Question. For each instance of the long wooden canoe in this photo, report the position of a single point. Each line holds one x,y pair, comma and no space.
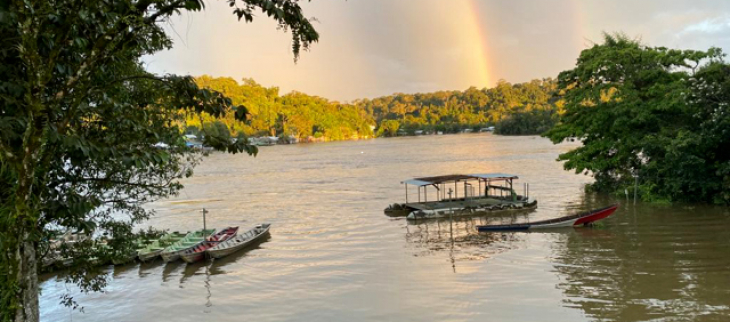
197,252
172,252
583,219
152,250
239,242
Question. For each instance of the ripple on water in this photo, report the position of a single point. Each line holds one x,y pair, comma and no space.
333,255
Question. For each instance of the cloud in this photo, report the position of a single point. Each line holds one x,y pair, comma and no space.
370,48
709,26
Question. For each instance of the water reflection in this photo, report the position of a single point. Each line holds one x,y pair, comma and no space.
169,268
208,303
120,270
461,238
148,268
236,258
653,261
335,257
192,269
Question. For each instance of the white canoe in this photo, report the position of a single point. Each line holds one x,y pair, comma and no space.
239,242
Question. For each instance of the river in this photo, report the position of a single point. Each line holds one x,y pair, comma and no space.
334,256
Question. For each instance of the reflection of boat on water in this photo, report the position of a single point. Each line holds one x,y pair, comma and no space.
218,265
656,263
118,270
460,237
169,269
480,194
191,269
581,219
145,268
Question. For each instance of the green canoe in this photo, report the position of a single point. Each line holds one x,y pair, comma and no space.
172,252
153,249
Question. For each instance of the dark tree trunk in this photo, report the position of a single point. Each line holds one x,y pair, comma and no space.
27,275
25,226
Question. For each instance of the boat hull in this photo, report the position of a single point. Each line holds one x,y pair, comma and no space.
192,258
456,212
155,248
219,252
583,219
228,251
397,212
148,256
172,252
224,252
197,252
175,255
123,260
171,256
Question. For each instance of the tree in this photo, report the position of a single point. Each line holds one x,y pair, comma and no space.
527,122
647,112
389,128
78,120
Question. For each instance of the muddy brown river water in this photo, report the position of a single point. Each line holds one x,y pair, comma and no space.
334,256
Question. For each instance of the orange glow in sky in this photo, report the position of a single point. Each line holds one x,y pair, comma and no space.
371,48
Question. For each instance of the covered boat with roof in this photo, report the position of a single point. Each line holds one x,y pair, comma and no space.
462,194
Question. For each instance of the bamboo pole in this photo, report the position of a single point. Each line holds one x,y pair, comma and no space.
204,225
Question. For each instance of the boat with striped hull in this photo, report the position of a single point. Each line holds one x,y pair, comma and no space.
582,219
172,252
197,252
239,242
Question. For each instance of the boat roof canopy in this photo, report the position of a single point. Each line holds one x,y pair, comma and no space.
425,181
502,176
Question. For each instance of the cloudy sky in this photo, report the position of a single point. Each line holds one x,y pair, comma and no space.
371,48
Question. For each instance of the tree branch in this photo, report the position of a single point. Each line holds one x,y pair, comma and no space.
164,11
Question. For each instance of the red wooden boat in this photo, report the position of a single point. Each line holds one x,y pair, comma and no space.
197,252
582,219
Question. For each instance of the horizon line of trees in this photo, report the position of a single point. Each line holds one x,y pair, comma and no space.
523,108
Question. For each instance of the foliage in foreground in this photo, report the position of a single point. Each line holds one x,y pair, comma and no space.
79,116
656,113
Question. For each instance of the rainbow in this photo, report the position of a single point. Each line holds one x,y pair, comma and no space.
477,34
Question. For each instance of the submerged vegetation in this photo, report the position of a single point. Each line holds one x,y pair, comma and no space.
649,112
526,108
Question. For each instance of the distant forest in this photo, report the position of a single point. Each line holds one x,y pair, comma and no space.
516,109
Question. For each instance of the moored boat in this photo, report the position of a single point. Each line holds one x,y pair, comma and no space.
462,195
53,252
152,250
239,242
172,252
581,219
197,252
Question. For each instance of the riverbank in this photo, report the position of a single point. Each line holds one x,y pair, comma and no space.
268,141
